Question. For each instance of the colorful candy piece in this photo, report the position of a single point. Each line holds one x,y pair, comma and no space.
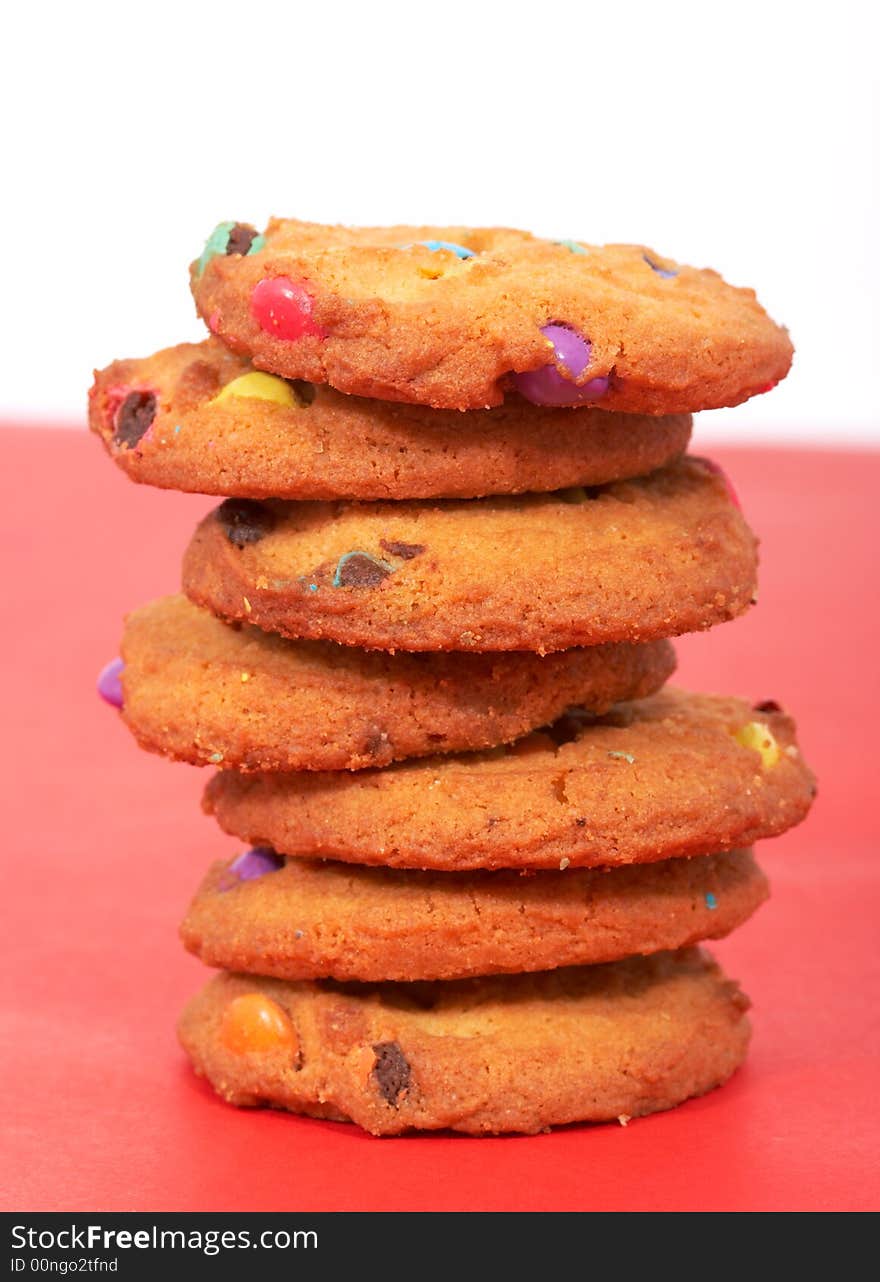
666,272
572,246
554,384
460,251
229,238
360,570
255,862
711,901
110,683
758,736
260,387
715,468
253,1024
133,417
283,307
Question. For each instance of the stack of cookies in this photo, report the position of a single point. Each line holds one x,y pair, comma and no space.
424,639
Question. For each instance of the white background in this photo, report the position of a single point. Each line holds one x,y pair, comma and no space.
738,136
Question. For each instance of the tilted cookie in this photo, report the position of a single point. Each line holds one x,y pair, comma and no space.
458,317
198,418
311,919
633,561
199,690
483,1056
675,774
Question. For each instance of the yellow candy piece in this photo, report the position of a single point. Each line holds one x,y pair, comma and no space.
254,1024
758,736
259,387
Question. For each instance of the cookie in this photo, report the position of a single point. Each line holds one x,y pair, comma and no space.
632,561
460,317
308,919
675,774
198,690
483,1056
198,418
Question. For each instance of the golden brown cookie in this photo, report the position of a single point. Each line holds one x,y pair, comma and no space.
196,417
675,774
483,1056
633,561
310,919
457,317
205,692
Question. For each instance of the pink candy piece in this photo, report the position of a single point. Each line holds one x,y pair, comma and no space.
554,384
711,466
282,307
110,683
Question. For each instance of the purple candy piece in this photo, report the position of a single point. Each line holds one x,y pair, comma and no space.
554,384
255,863
110,683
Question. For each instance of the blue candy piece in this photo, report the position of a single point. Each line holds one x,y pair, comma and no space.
711,901
572,245
459,250
661,271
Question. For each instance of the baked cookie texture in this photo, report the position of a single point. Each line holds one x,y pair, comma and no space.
672,775
199,690
633,561
379,312
303,919
194,417
482,1056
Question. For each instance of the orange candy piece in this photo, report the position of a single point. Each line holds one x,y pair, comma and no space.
254,1024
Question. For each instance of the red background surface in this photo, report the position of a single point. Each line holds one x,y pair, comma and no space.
104,845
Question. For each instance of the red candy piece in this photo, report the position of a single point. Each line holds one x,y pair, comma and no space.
284,308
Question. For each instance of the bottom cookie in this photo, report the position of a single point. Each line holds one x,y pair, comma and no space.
481,1056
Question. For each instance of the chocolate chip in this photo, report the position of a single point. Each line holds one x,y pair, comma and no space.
391,1070
133,418
240,239
244,521
767,705
359,570
406,551
303,391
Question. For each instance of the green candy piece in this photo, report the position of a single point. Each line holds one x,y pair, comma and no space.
214,245
218,243
572,245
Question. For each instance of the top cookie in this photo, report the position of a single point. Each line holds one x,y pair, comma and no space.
457,317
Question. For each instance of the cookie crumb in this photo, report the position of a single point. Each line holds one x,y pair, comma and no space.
624,1119
563,864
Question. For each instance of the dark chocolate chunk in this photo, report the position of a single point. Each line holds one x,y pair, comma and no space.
360,570
391,1070
406,551
767,705
244,521
240,239
133,418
